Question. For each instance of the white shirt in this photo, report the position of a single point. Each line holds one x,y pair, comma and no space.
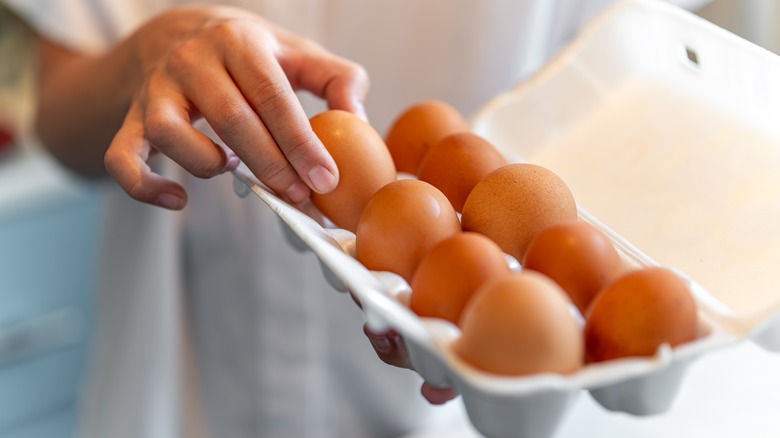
279,353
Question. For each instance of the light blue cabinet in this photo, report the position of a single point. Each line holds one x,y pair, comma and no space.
48,261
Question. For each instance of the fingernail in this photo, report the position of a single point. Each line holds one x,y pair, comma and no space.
297,192
170,201
322,180
232,163
381,344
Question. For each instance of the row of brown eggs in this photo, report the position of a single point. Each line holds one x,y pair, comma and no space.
512,323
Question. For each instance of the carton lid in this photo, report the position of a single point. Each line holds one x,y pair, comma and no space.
662,125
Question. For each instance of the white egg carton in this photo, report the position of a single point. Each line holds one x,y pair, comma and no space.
663,125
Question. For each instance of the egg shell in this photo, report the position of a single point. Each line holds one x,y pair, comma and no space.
577,256
400,224
520,324
457,162
451,272
418,128
514,202
639,312
364,164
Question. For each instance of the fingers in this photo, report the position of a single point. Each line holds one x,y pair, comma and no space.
223,105
126,158
389,347
344,86
168,127
241,78
265,87
437,396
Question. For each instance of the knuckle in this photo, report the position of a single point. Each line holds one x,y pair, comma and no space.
355,72
349,76
159,127
184,57
271,96
231,112
230,117
299,146
162,131
306,44
228,30
276,173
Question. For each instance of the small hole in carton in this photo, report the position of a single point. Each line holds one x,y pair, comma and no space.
690,57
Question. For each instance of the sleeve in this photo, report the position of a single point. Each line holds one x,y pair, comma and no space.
84,25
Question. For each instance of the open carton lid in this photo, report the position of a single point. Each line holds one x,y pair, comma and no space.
664,127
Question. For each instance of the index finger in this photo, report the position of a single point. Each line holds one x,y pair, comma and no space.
268,91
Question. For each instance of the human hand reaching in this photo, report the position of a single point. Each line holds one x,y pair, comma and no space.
239,72
390,348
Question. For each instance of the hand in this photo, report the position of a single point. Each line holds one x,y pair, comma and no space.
390,348
239,72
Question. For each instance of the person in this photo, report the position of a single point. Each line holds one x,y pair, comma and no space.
210,324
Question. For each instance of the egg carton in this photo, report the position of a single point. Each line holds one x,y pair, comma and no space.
661,124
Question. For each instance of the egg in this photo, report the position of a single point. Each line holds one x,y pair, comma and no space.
639,312
400,224
514,202
457,162
520,324
419,127
578,256
450,273
364,164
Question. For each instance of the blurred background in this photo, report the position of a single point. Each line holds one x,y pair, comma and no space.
50,231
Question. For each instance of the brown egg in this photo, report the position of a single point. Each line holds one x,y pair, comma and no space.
450,273
401,223
578,256
418,128
520,324
457,163
637,313
513,203
364,165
